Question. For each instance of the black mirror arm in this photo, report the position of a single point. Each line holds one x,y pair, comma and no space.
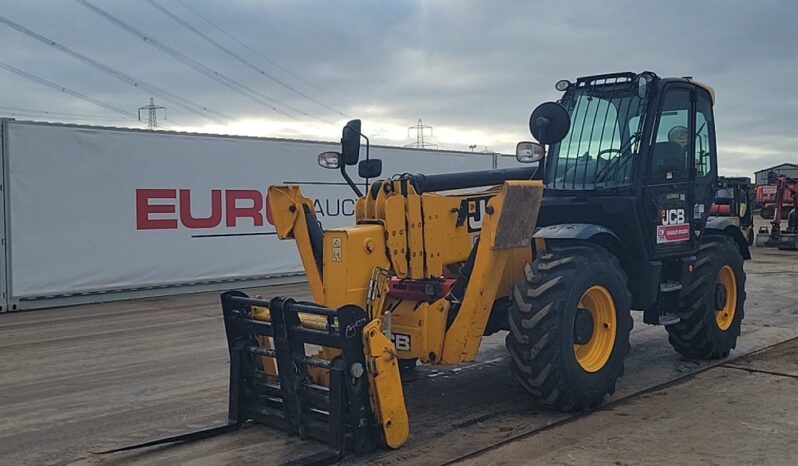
367,156
541,171
350,182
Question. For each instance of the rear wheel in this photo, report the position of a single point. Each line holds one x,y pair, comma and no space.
569,326
712,306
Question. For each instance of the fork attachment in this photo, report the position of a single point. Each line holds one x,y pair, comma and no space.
339,413
337,410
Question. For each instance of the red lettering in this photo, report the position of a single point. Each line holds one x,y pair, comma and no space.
234,212
189,221
144,209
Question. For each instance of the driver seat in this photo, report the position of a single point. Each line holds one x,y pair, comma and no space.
668,157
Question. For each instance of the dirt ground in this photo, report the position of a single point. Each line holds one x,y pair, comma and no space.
86,378
741,412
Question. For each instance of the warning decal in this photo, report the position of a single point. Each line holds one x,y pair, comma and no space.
336,249
673,233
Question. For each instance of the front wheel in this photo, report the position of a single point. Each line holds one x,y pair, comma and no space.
712,306
569,326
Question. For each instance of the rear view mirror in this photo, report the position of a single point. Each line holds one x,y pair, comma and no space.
330,160
369,168
350,143
549,123
529,152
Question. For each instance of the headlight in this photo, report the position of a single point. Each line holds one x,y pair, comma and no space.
330,160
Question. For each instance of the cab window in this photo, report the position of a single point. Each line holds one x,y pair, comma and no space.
670,156
703,144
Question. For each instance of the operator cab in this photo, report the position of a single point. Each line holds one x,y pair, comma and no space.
638,158
635,170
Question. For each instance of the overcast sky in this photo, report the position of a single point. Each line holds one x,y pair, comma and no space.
472,70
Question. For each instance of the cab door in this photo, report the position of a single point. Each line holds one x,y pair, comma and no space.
668,193
705,173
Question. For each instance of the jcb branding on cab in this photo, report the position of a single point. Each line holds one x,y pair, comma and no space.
672,216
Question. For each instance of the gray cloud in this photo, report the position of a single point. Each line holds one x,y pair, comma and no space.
478,67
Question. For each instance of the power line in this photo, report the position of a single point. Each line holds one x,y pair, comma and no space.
222,79
238,57
77,94
212,74
264,57
177,100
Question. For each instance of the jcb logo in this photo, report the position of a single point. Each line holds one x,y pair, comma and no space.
673,216
475,208
401,341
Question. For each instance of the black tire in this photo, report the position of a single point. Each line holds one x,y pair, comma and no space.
767,212
542,317
699,335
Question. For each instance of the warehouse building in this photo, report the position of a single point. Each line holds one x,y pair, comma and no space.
789,169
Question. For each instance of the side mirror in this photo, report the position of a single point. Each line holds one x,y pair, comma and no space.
330,160
350,142
369,168
529,152
549,123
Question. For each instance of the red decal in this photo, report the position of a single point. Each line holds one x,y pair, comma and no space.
673,233
144,209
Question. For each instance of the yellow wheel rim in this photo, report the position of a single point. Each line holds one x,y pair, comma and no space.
594,354
724,315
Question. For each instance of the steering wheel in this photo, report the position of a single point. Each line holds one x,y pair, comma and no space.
608,151
607,160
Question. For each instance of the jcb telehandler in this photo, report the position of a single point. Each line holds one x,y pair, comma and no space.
614,216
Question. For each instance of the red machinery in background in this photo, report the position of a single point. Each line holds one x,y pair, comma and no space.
766,197
786,189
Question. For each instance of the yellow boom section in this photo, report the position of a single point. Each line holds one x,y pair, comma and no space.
398,262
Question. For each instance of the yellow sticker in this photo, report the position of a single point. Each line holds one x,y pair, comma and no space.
336,250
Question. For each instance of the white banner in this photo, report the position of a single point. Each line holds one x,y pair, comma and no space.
95,209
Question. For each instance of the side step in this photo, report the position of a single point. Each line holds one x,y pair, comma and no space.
669,287
668,318
339,414
665,317
660,312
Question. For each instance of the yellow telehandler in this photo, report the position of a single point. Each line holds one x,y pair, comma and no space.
612,215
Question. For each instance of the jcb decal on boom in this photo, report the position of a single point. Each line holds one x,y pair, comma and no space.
474,208
401,341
